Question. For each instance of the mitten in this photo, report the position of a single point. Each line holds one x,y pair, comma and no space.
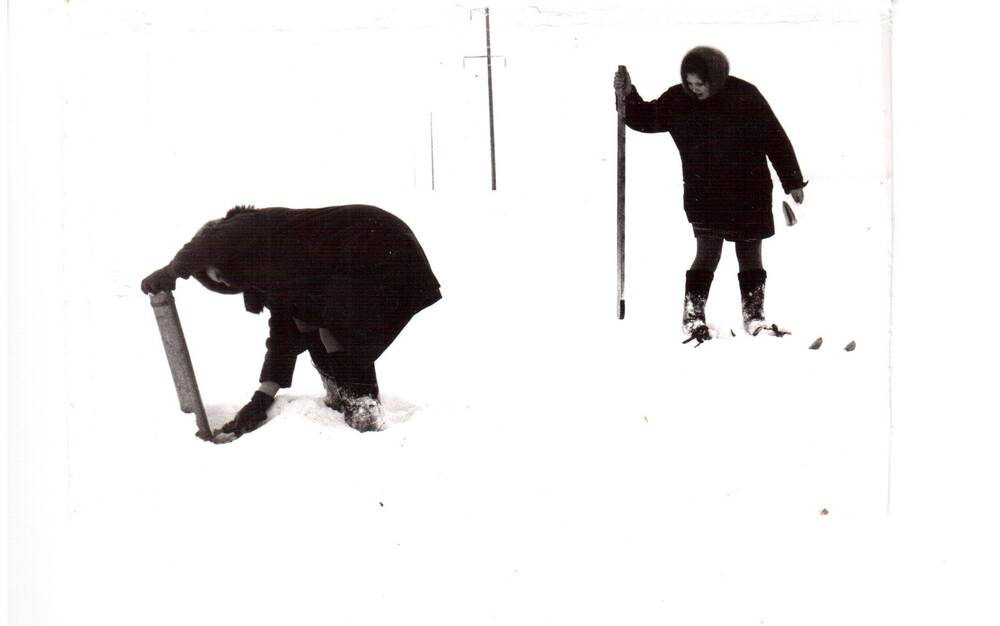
250,417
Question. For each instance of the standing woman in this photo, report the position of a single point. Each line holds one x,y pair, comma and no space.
724,131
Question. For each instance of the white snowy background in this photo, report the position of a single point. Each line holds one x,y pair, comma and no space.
545,463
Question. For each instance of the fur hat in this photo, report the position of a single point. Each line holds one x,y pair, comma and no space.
709,64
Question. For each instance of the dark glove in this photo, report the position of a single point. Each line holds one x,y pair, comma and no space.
250,417
163,279
622,82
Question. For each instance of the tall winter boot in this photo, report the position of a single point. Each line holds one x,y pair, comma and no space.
697,284
334,398
351,388
752,292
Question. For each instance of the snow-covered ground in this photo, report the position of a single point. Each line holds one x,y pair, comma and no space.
545,462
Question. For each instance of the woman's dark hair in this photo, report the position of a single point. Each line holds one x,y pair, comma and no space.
709,64
694,64
240,208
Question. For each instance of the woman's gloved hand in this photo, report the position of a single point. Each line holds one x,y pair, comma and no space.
251,417
163,279
622,82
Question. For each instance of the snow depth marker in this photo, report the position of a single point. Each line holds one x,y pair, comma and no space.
620,100
179,360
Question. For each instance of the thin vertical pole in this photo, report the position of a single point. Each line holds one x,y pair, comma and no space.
620,101
489,86
432,151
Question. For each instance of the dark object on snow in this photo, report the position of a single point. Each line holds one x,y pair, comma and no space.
850,346
771,329
816,344
724,143
179,359
251,417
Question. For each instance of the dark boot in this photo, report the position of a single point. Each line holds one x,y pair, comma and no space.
696,287
752,292
363,413
351,388
334,398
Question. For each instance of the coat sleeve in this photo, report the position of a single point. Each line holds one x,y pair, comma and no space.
284,344
777,146
647,117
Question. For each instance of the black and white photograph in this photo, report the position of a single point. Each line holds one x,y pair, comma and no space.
606,312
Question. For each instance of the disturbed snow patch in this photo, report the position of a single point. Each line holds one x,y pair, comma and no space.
312,409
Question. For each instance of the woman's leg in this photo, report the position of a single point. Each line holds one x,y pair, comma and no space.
707,255
748,254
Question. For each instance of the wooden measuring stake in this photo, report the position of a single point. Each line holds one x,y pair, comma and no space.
620,98
179,360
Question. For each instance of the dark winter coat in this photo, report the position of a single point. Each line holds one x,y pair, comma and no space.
724,142
355,270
